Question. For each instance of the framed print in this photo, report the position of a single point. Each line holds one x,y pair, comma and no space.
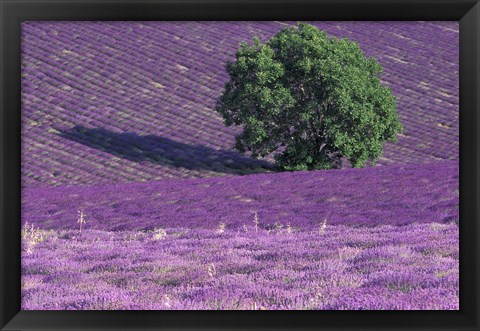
240,165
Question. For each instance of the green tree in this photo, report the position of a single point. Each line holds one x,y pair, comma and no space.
311,99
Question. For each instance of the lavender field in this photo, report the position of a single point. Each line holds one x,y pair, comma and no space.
133,196
341,267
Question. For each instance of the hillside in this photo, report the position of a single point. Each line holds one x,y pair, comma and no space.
110,102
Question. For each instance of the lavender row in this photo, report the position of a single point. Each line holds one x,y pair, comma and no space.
395,195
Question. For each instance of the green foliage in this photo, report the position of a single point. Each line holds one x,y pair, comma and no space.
312,99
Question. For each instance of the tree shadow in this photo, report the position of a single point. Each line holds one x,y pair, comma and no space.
165,151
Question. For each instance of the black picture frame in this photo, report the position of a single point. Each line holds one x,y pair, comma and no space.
13,12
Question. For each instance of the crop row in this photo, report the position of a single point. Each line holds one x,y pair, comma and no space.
395,195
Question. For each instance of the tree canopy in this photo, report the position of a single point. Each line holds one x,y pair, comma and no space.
311,99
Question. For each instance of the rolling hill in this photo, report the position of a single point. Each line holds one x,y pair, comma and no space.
108,102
